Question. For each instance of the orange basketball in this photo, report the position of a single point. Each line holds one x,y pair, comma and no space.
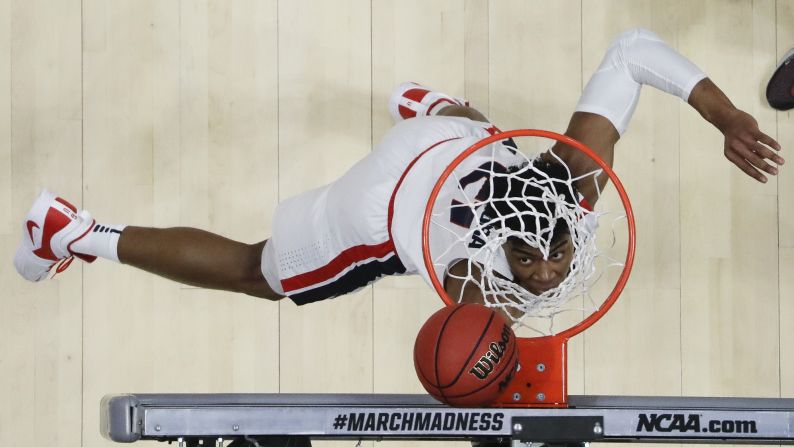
465,355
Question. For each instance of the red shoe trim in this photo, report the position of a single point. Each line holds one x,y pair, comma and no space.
87,258
31,225
63,265
416,94
54,222
439,101
67,204
405,112
84,257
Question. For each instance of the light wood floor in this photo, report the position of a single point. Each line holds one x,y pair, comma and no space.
207,113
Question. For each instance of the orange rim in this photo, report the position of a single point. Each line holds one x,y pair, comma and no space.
624,276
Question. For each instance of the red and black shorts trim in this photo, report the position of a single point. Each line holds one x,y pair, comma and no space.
356,278
351,270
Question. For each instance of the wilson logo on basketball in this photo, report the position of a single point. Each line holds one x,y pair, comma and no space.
496,350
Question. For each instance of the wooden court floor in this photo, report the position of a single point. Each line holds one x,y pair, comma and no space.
207,113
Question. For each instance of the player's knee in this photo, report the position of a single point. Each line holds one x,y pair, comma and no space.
253,261
252,280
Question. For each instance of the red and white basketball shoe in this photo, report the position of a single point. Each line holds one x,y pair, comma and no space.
51,227
410,99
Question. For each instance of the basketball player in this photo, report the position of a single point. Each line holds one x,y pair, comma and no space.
340,237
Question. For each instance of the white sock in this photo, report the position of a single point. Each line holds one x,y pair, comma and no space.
102,241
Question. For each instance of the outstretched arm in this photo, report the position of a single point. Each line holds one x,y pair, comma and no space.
639,57
745,145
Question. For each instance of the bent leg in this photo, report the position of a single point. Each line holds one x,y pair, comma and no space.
463,111
197,258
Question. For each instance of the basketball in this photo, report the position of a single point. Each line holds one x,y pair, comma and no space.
465,355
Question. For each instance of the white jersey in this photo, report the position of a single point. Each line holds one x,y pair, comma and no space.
367,224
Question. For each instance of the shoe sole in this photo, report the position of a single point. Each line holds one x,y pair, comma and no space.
24,257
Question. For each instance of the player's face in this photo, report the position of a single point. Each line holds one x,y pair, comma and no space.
533,272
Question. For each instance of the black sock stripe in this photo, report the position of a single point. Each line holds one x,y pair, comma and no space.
103,229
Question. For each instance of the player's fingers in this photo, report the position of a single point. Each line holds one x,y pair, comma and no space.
746,167
769,141
757,161
765,153
753,152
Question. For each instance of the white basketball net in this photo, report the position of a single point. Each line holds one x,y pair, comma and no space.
485,260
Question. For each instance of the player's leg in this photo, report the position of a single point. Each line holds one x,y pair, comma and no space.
56,231
196,257
463,111
410,100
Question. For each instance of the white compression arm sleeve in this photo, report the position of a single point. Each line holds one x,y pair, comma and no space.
636,57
